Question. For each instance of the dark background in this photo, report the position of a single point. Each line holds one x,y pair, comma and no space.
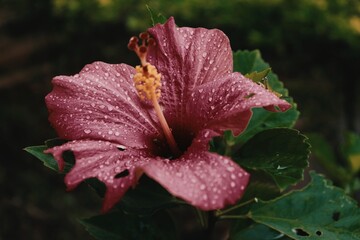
314,47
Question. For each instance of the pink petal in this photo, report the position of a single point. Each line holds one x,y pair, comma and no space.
204,179
186,58
104,161
101,103
225,103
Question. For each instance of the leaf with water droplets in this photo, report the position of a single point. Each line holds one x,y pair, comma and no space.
248,62
320,211
281,153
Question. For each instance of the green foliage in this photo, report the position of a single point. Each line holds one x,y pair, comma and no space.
256,76
351,151
258,232
320,211
325,155
120,226
346,174
281,153
147,198
249,63
156,18
46,158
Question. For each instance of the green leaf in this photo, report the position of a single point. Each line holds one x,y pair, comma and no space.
258,76
120,226
147,198
351,150
321,148
320,211
224,144
281,153
46,158
261,186
258,232
325,155
156,18
248,62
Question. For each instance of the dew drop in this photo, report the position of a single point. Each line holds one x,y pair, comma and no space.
230,169
232,184
202,187
206,134
87,131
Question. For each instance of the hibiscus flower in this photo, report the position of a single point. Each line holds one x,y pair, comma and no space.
158,119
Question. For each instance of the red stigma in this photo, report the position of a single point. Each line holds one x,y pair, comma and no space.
141,49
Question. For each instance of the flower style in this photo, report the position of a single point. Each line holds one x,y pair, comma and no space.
116,135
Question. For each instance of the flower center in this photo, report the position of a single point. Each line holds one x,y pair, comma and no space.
147,82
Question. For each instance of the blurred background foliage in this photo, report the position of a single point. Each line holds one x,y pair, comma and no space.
313,45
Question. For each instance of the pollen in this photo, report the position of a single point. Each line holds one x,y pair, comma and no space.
147,82
147,79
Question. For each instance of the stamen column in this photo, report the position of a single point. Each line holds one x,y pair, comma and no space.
148,84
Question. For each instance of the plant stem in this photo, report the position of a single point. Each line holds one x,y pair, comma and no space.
220,213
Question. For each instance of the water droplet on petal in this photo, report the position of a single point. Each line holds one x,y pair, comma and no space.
230,169
87,131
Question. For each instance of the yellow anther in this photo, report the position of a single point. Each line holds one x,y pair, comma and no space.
147,82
